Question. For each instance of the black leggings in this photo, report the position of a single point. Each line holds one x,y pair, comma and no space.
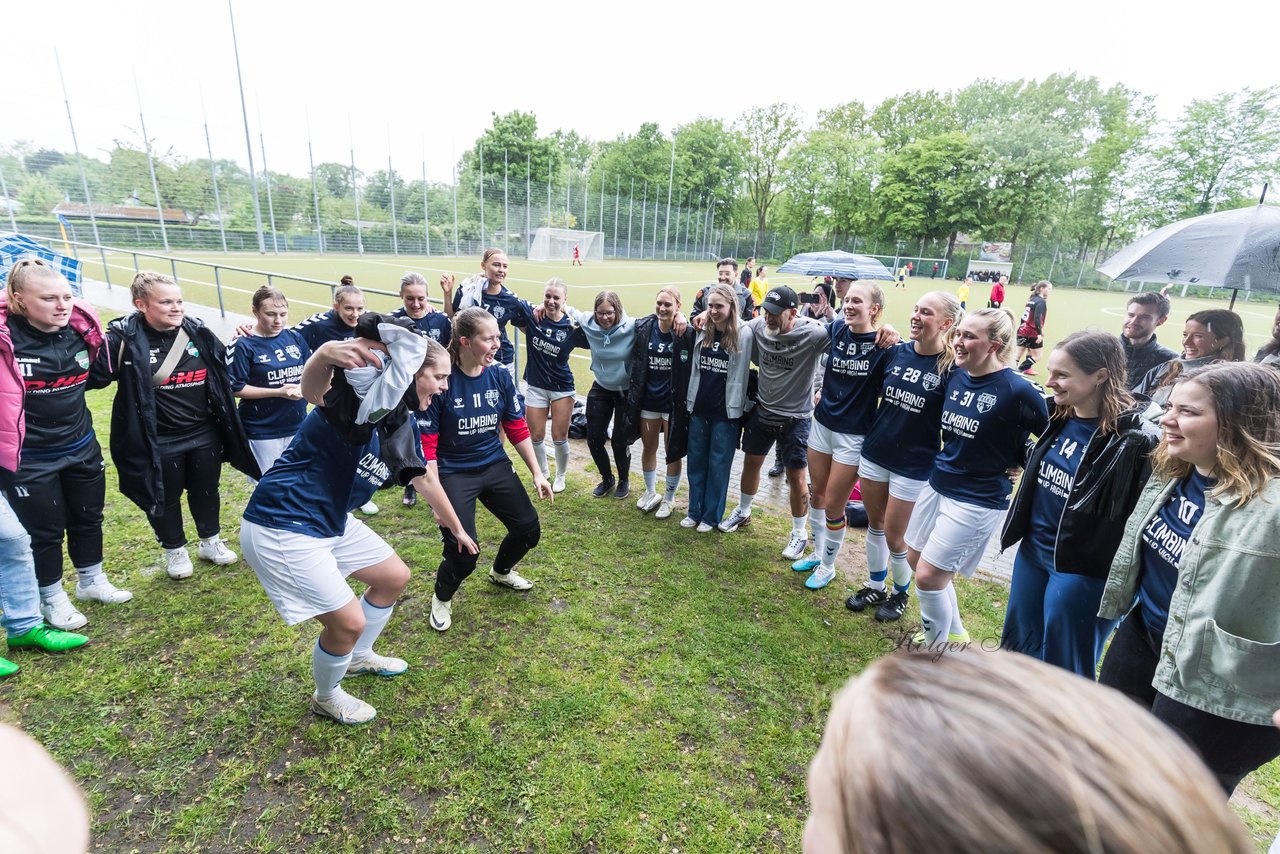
195,466
57,496
602,405
499,489
1231,749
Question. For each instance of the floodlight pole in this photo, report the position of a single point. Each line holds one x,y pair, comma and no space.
631,204
151,165
84,183
213,173
644,217
528,201
617,186
8,202
671,177
391,185
355,191
482,240
315,189
455,205
426,208
248,139
506,208
266,176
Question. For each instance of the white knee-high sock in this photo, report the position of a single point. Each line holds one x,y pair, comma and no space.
744,501
673,482
957,627
650,480
375,620
935,614
562,456
901,570
818,527
327,670
877,557
833,539
540,454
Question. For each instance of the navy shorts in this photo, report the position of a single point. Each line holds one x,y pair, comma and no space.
1036,343
791,434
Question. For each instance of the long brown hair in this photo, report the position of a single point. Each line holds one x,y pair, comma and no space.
1078,768
1221,323
1246,400
1092,351
728,334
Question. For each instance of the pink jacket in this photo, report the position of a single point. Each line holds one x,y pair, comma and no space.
13,425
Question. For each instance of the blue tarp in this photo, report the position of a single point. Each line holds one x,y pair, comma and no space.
15,246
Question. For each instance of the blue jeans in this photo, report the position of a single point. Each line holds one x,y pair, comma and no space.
19,595
1053,616
711,446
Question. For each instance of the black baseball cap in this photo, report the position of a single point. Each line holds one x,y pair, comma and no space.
779,299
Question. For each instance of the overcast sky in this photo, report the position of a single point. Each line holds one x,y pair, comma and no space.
419,80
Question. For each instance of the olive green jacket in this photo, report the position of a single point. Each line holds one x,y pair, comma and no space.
1221,648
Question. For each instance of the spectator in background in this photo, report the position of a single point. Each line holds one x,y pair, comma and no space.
759,287
1076,769
1269,353
962,292
1213,335
747,271
1144,312
902,277
997,293
934,274
726,272
822,309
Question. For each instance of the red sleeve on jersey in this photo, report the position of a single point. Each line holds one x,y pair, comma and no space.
517,430
429,442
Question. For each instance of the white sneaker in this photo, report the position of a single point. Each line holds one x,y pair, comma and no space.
648,501
61,614
705,527
735,520
369,509
378,665
216,551
101,590
343,708
664,510
178,563
441,614
688,522
512,579
558,484
795,545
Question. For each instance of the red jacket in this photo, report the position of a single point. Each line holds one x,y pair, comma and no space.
13,423
997,292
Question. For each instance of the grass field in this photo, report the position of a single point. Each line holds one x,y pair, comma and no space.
657,690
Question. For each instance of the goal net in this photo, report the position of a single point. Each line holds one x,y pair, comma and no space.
556,244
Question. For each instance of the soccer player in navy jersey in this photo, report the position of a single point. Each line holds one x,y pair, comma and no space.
460,431
899,450
987,417
429,323
299,536
336,324
266,371
550,337
487,291
850,385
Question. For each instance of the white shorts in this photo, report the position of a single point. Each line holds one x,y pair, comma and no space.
307,576
267,451
841,447
650,415
900,487
950,534
543,398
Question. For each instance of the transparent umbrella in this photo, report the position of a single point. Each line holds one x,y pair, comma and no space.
837,264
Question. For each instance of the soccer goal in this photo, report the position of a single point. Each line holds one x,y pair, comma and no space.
556,244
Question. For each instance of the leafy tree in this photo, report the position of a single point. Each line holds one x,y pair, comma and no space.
931,188
334,180
905,118
39,195
644,156
377,192
575,151
708,162
40,162
769,132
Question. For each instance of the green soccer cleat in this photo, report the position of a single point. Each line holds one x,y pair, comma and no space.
7,668
47,639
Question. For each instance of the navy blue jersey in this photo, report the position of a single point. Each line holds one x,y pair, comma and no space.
269,363
502,306
322,327
1163,541
907,430
657,384
713,379
1053,481
466,419
548,345
851,382
317,481
434,325
985,425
